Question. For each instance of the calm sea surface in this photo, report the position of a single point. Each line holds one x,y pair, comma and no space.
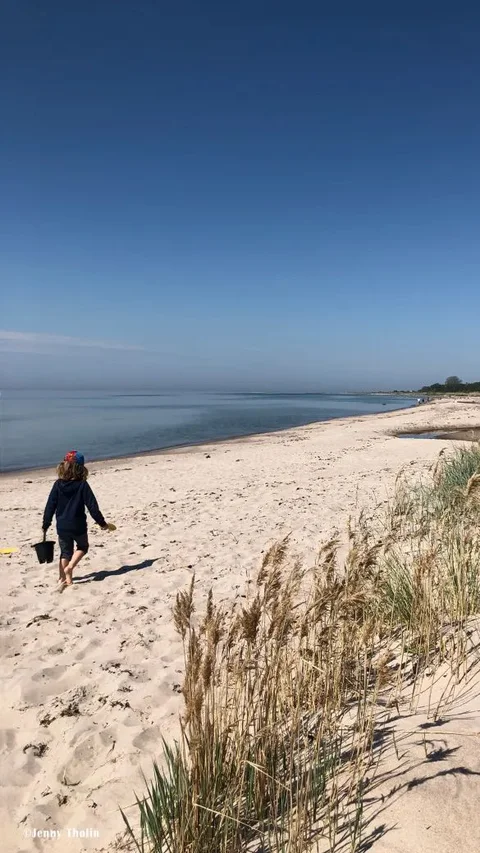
37,428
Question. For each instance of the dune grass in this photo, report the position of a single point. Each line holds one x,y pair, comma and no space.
455,480
282,697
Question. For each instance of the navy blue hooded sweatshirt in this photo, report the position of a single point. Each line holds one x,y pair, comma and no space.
68,500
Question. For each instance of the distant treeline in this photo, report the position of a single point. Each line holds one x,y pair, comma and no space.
452,385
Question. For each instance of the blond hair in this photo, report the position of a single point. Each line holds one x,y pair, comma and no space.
71,471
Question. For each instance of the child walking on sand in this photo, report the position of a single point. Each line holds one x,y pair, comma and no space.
67,500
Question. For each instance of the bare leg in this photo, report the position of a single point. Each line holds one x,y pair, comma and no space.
72,565
61,569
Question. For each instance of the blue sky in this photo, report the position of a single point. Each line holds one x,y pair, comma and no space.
264,196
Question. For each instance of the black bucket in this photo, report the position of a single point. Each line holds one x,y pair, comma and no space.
44,551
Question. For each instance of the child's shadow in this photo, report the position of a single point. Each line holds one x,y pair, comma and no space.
123,570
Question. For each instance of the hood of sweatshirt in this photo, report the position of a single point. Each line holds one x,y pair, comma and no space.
68,488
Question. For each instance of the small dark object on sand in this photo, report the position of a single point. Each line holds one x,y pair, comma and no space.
38,749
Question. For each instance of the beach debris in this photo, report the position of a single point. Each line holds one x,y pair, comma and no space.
38,749
117,703
67,705
114,668
68,784
39,618
71,710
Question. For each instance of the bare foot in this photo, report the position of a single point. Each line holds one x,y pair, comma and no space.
68,576
61,585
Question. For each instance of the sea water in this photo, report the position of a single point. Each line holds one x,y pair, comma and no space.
38,427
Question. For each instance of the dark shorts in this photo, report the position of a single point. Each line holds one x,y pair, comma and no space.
67,543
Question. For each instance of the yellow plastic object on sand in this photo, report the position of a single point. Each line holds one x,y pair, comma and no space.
8,550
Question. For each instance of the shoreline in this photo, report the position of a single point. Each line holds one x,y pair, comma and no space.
179,448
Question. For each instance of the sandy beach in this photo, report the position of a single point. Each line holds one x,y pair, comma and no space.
91,678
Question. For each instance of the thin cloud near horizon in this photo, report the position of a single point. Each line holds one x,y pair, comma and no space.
39,342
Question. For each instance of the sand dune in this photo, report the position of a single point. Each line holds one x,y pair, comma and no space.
91,677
